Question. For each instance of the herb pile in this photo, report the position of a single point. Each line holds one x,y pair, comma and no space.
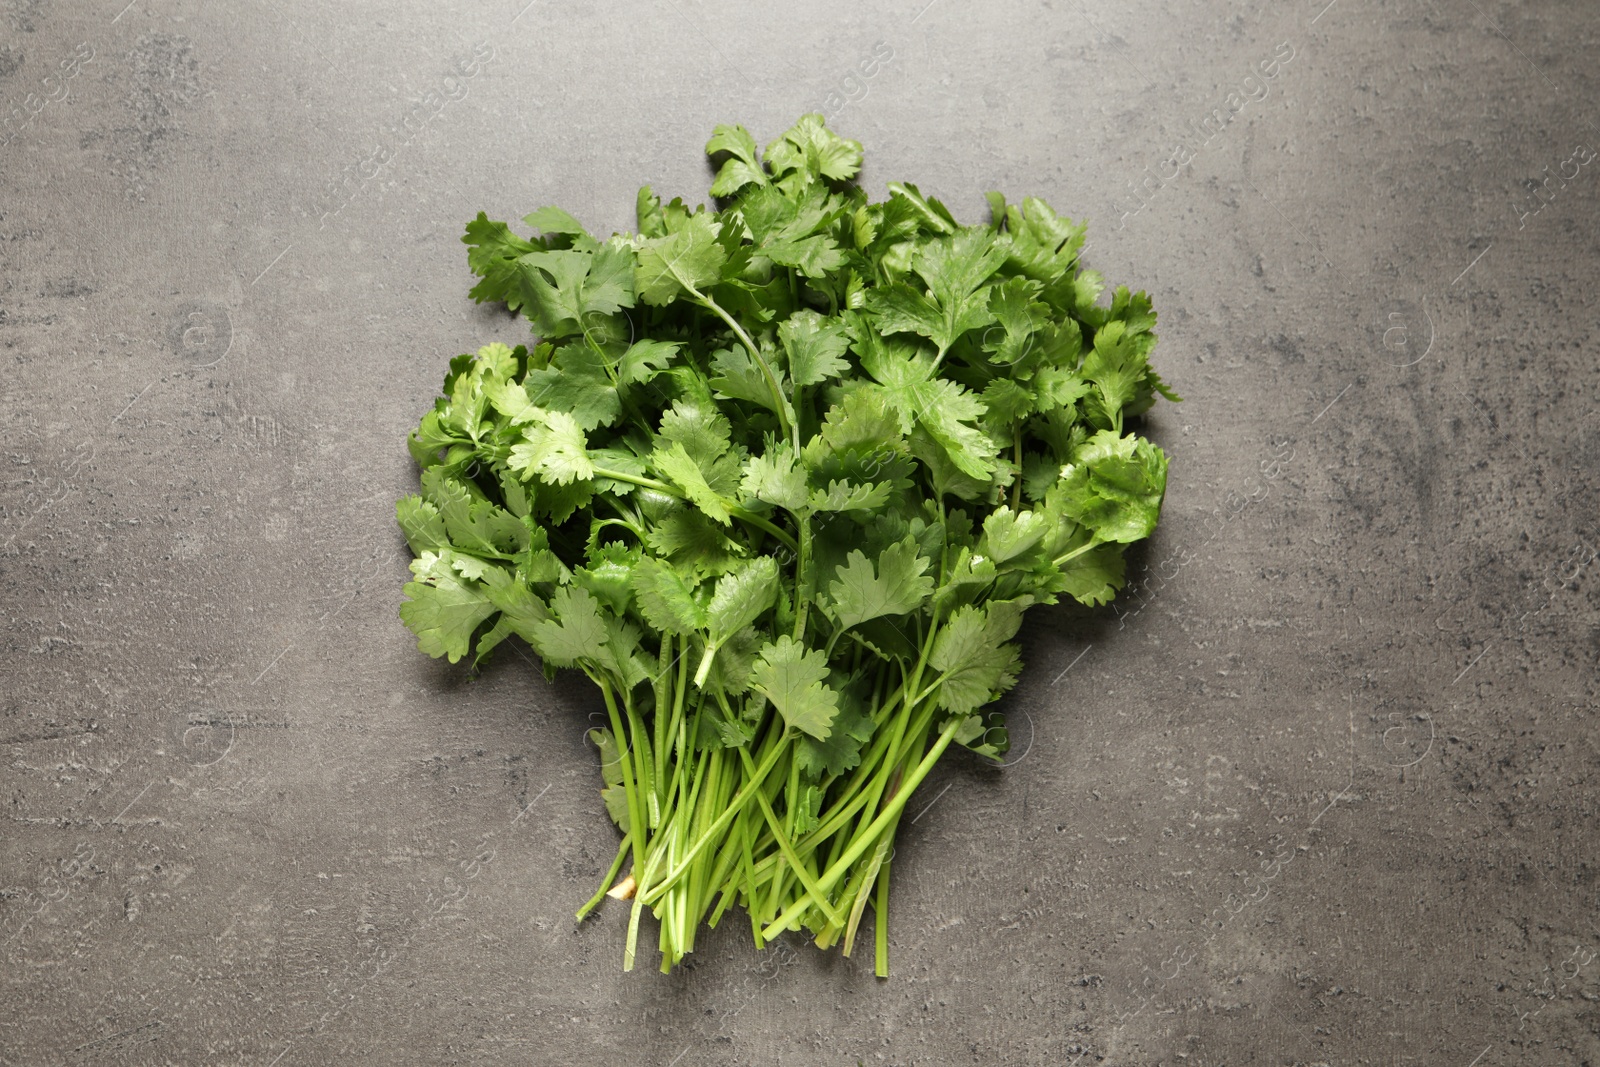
781,479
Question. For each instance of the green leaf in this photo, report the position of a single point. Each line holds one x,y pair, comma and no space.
743,165
1018,316
666,599
1114,486
815,345
840,752
688,261
701,430
560,288
1092,578
809,151
850,496
609,577
942,408
420,521
793,229
578,382
741,596
492,254
774,478
1041,244
985,735
680,468
577,631
690,540
896,586
651,220
1005,402
619,656
644,360
554,449
972,657
1116,365
1008,534
443,612
472,523
795,681
733,661
739,378
557,221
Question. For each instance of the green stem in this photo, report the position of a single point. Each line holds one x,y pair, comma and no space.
1080,550
831,876
630,789
609,880
788,849
804,580
880,921
789,429
751,785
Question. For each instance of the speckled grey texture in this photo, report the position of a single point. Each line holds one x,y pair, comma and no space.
1320,790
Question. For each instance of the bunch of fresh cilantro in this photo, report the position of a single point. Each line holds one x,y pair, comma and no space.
781,479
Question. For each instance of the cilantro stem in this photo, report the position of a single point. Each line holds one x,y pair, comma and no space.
789,429
880,921
788,848
751,785
804,580
865,839
1094,542
610,879
630,789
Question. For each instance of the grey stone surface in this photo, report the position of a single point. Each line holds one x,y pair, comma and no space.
1320,790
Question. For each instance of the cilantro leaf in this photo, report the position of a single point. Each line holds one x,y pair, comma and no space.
577,631
810,151
1008,534
815,345
493,252
666,600
741,596
743,165
795,681
895,586
775,479
686,261
972,657
554,448
561,288
443,610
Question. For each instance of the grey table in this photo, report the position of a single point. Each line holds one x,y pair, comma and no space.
1320,789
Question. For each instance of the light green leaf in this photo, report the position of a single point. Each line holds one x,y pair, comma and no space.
815,344
554,448
897,585
972,657
850,496
444,612
577,631
678,466
774,477
795,680
421,524
1008,534
743,166
741,596
667,599
688,261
